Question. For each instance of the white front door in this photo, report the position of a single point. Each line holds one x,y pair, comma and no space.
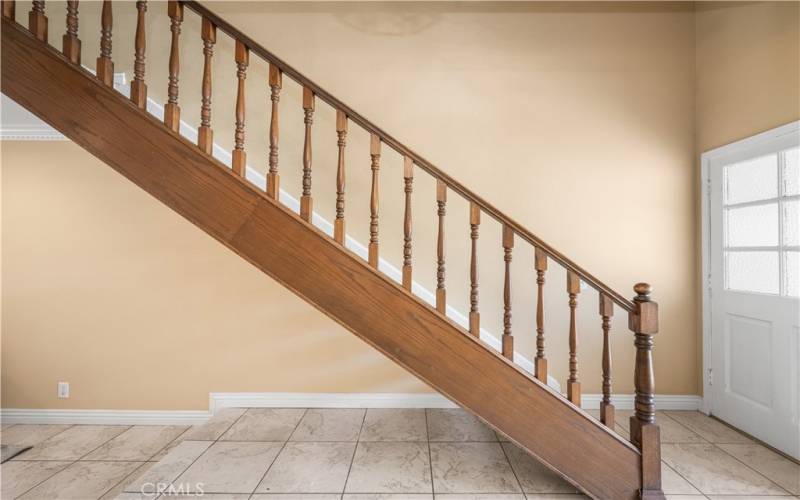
754,264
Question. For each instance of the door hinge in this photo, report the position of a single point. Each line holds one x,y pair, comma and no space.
710,376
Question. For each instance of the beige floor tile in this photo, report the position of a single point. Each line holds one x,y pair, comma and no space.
714,472
330,424
19,477
168,468
83,480
264,424
699,497
30,434
480,496
216,426
707,427
139,443
309,468
673,483
446,424
209,496
387,496
73,443
394,425
234,467
471,468
171,446
672,431
780,470
296,496
117,490
554,496
390,467
533,476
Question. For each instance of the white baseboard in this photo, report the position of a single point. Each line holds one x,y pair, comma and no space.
220,400
104,417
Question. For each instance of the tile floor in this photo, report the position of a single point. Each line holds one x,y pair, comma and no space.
357,454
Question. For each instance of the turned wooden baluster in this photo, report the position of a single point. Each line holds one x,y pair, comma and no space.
273,179
172,112
441,292
645,433
408,180
508,340
9,9
205,136
573,386
606,408
138,87
70,43
105,66
341,131
540,264
37,21
239,158
375,154
474,315
306,203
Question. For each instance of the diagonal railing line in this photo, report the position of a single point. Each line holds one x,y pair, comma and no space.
402,149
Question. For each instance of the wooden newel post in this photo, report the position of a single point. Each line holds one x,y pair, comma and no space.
645,434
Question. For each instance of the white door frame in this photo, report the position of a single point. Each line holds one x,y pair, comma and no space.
705,172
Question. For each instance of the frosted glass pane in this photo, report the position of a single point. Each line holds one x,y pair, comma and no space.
792,270
752,271
791,218
752,180
791,172
752,226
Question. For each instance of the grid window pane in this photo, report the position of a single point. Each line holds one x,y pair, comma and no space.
791,172
791,269
752,180
752,271
791,221
752,226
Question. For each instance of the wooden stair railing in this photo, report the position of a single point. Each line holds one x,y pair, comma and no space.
642,311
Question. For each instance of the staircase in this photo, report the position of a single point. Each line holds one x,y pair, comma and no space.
254,223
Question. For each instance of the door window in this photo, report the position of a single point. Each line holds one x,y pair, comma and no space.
761,213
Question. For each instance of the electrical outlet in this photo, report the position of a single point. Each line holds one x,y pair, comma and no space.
63,390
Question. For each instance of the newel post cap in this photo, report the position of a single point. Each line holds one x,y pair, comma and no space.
644,317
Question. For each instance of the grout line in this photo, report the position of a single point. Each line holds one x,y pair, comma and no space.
430,455
513,471
124,479
353,458
188,428
749,467
277,454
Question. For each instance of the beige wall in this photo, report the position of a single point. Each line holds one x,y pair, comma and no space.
578,120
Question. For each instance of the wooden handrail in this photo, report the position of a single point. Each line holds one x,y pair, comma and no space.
402,149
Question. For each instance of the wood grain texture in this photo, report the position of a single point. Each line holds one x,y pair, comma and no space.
573,385
138,85
508,340
408,188
441,211
374,199
268,236
205,135
540,362
306,203
239,157
474,314
70,43
105,66
606,407
172,112
341,143
273,178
